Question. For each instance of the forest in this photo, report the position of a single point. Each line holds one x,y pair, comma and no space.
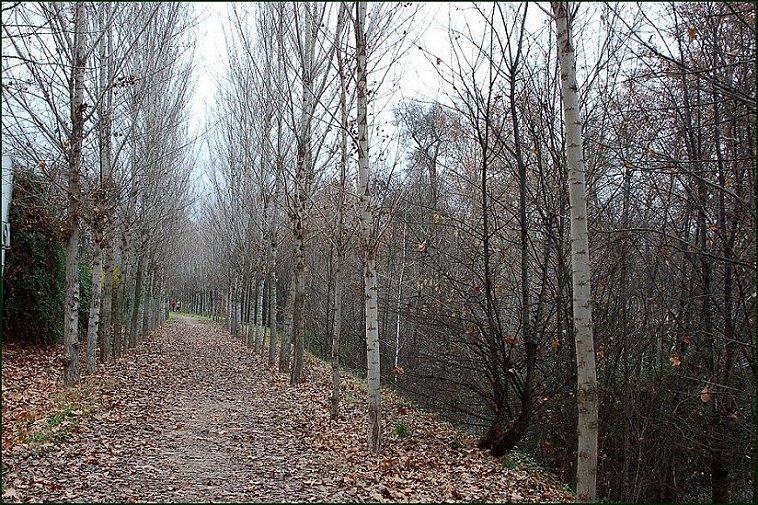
534,220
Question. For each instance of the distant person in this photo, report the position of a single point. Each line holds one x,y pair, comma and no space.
178,305
173,305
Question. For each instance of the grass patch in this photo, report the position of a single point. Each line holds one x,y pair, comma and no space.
350,398
195,316
71,408
55,429
518,460
402,429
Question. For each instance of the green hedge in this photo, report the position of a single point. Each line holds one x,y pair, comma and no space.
34,284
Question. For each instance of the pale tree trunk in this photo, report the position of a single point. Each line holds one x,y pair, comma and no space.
129,240
396,362
74,155
284,352
586,393
234,307
118,308
102,257
259,330
367,239
230,309
302,194
147,304
339,276
106,326
136,304
94,311
238,310
272,301
298,301
228,312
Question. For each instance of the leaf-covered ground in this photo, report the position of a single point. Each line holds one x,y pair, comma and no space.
192,416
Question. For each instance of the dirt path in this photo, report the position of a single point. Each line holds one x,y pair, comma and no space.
195,418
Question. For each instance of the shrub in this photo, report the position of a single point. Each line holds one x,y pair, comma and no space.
402,429
34,282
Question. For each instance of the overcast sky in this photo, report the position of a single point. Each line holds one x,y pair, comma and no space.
418,77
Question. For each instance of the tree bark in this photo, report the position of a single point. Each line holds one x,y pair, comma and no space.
586,393
396,360
93,324
106,322
302,193
284,353
368,240
260,330
272,297
339,276
136,304
74,157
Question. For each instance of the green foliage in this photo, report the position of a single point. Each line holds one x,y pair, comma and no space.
518,460
35,272
350,398
34,285
116,278
456,444
55,429
402,429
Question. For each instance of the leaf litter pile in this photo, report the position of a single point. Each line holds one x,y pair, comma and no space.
191,415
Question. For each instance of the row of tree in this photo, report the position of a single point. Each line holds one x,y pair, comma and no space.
446,253
466,260
95,107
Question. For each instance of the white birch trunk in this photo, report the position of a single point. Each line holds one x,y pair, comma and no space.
272,301
284,353
339,276
74,155
102,291
302,194
396,361
147,303
94,311
259,329
272,304
367,239
586,395
228,309
106,326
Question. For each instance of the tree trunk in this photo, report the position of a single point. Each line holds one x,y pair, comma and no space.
106,322
118,315
136,304
298,301
104,203
93,324
368,240
396,361
260,330
74,157
339,276
284,353
148,303
272,297
586,393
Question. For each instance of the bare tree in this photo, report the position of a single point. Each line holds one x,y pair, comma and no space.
586,391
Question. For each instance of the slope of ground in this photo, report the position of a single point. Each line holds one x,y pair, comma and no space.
192,416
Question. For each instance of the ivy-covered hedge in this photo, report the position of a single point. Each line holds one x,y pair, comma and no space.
34,284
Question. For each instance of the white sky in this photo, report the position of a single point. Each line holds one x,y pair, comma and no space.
419,78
